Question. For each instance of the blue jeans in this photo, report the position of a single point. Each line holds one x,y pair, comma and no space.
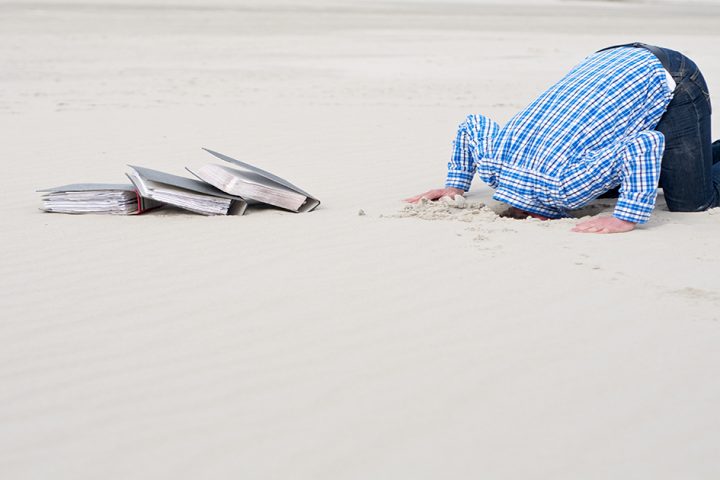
690,170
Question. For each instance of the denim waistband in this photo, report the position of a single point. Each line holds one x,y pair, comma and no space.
657,51
677,64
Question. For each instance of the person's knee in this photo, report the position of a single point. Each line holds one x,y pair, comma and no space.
689,205
684,208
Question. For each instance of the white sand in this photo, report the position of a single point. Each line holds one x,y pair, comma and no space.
333,345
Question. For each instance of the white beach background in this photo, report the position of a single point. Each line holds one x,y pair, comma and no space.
332,345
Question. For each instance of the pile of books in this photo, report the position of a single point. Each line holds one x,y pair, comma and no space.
218,190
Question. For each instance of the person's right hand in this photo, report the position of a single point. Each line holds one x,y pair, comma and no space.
435,194
604,224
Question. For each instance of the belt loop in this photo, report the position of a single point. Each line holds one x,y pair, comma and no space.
682,66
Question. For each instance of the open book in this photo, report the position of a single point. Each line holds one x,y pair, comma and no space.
250,182
110,198
186,193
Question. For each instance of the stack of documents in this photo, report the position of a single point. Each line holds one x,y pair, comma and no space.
251,182
218,190
117,199
186,193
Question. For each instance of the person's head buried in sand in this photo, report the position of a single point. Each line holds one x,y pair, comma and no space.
609,128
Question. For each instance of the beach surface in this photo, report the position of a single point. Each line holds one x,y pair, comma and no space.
364,340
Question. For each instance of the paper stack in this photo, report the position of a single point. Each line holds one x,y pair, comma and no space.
116,199
219,190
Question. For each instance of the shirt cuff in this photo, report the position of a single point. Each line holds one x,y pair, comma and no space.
459,179
636,211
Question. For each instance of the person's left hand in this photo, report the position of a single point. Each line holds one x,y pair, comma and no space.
604,225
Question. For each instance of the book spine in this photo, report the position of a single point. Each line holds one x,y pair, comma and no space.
140,203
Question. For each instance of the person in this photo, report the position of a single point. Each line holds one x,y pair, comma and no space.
627,120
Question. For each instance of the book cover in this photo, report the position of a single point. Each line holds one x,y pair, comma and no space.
186,193
255,183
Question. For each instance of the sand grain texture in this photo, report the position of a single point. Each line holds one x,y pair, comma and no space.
333,345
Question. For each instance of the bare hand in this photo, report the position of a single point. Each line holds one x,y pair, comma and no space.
604,225
435,194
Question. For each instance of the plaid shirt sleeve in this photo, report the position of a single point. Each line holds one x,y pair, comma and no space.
472,144
639,175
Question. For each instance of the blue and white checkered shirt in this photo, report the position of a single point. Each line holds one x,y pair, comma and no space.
588,133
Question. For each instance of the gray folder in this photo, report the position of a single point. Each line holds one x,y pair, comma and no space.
192,185
264,177
91,187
